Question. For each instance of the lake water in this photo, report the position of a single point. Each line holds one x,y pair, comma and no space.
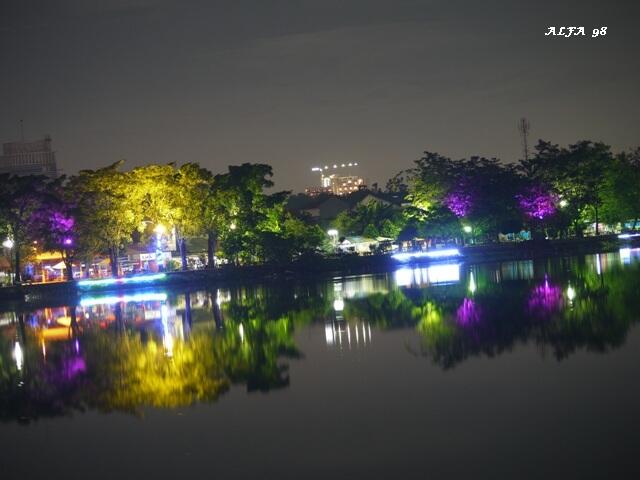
526,369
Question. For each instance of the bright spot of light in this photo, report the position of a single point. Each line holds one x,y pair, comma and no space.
446,273
472,283
338,304
571,293
17,355
404,276
625,255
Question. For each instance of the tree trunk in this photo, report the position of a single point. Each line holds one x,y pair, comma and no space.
113,256
211,249
68,270
183,253
87,266
17,277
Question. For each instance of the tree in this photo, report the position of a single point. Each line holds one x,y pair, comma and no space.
576,174
108,211
243,211
175,198
478,191
621,192
54,224
20,199
371,220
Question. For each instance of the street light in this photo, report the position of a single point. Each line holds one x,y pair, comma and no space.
563,203
8,243
467,229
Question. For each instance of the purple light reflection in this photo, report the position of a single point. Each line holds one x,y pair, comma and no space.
545,299
468,314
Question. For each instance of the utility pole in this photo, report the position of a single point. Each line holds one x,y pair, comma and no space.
523,128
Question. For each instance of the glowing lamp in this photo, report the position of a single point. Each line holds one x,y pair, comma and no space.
8,243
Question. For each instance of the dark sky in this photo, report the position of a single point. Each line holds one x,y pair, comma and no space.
296,83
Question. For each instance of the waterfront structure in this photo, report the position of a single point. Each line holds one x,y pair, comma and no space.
338,180
29,158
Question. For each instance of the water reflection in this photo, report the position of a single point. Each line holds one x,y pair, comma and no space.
166,349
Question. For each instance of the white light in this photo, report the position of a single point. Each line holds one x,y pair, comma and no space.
447,252
110,300
335,166
628,235
338,304
241,331
446,273
625,255
232,226
8,243
467,229
563,203
332,233
316,169
328,333
160,229
403,277
17,355
571,293
472,283
356,164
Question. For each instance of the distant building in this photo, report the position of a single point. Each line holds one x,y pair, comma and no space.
29,158
338,180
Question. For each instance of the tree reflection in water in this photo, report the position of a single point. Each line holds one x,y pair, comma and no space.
158,349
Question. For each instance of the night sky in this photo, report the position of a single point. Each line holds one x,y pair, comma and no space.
295,83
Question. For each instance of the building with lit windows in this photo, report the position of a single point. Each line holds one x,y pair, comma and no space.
29,158
338,179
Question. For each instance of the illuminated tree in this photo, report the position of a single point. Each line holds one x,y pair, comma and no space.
21,198
107,210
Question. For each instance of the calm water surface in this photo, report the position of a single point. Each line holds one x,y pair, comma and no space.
525,369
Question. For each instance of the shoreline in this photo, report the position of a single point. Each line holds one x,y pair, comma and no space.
17,297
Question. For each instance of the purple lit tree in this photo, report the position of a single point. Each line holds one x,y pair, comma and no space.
459,203
55,223
537,203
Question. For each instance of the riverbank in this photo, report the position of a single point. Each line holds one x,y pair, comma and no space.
311,268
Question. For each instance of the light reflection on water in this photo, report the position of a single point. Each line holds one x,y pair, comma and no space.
124,351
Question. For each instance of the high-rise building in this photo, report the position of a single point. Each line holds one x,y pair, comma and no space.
29,158
337,179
